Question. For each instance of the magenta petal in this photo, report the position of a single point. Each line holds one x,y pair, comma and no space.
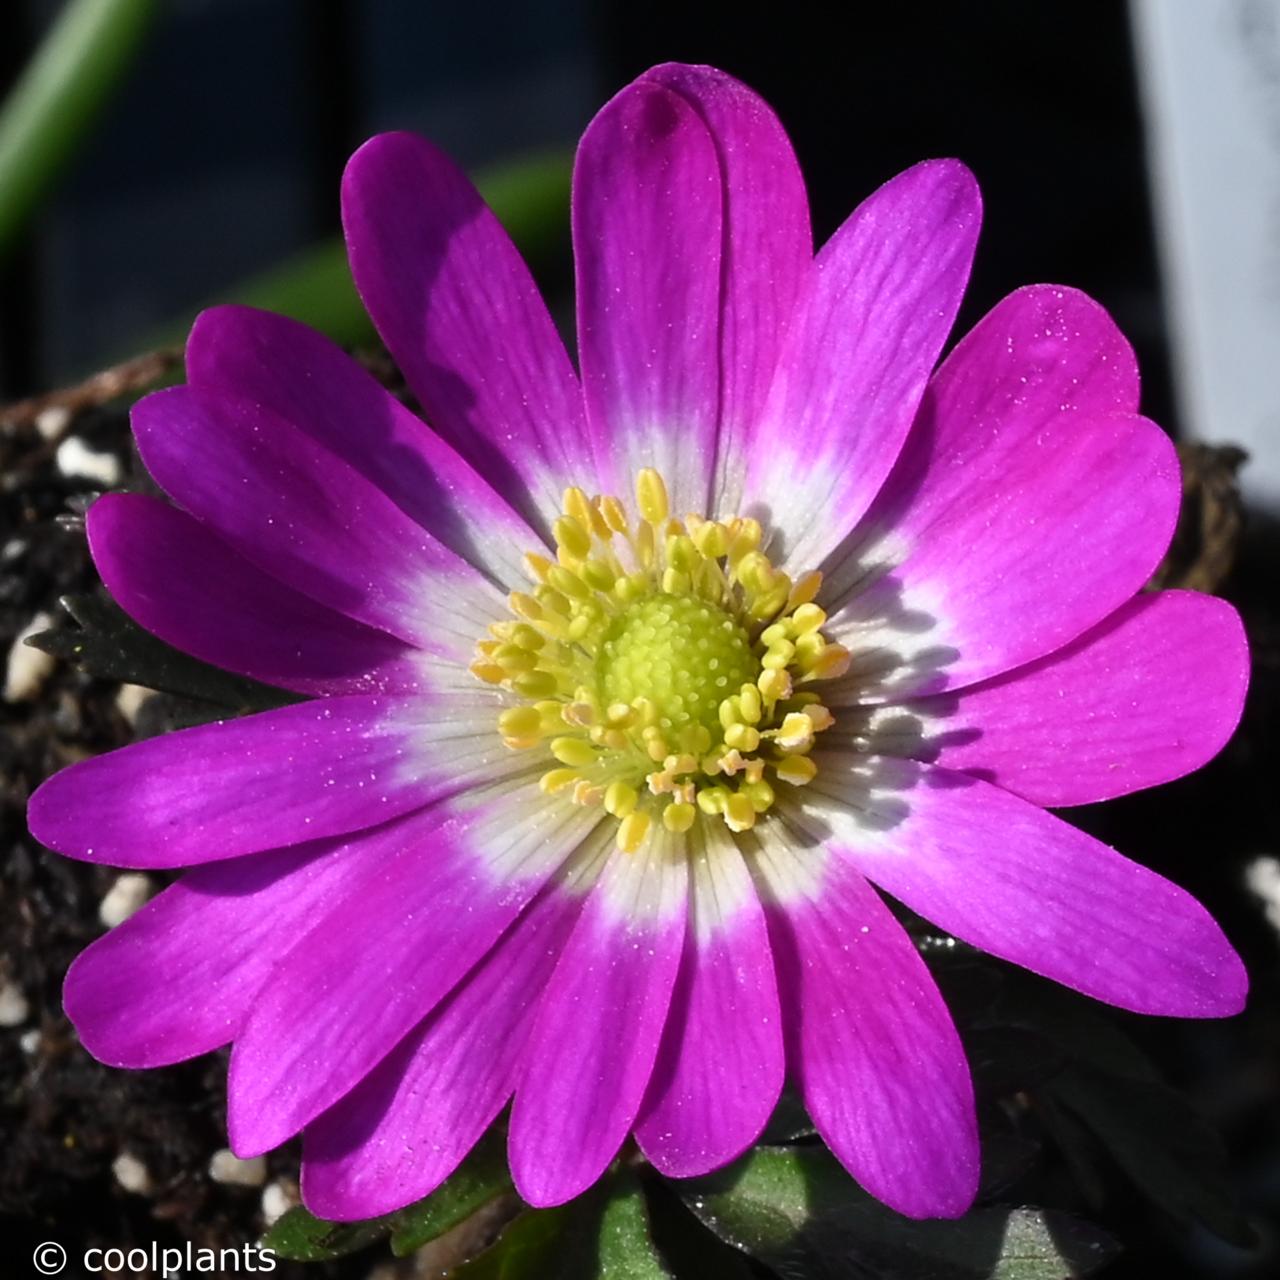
1028,503
597,1031
231,614
720,1067
1017,882
877,1057
646,234
452,880
408,1124
176,979
272,779
300,513
1148,695
300,375
460,313
766,252
867,330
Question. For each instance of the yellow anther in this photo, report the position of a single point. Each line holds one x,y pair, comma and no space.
620,799
750,703
675,583
553,601
711,538
807,618
582,715
587,793
520,723
551,715
535,684
627,589
646,711
679,816
615,515
808,647
760,794
527,637
772,600
557,780
796,770
632,831
712,800
774,632
730,712
655,744
489,672
598,575
832,662
571,534
621,714
577,752
753,570
796,733
599,525
742,736
525,605
645,546
739,812
778,656
746,536
660,782
820,717
754,770
682,554
774,685
537,566
511,657
568,583
651,496
803,590
577,505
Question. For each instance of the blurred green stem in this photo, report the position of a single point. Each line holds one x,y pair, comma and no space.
529,195
58,97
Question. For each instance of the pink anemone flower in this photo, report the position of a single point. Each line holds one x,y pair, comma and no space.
626,688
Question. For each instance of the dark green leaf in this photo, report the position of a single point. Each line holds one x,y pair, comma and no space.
626,1250
481,1177
800,1213
305,1238
1156,1136
533,1247
107,643
1150,1130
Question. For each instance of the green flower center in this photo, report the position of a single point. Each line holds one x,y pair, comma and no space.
684,654
664,664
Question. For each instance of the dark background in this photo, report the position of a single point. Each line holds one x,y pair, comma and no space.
222,155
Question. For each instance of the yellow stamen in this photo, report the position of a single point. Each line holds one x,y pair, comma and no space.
651,496
658,662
